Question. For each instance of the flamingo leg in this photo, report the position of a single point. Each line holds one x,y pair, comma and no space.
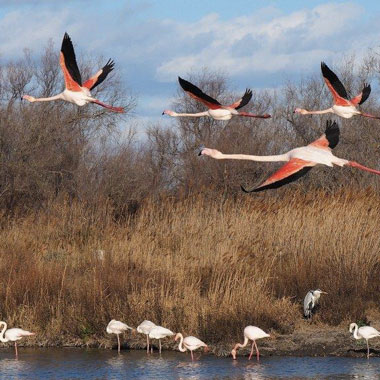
159,344
118,343
250,355
115,109
257,352
367,349
16,350
369,115
192,356
147,343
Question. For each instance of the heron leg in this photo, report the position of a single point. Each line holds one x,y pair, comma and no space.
250,355
118,343
257,351
16,350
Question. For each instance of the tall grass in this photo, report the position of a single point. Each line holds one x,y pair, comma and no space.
199,266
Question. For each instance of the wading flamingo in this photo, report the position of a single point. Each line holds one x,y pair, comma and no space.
310,301
190,343
145,327
159,333
215,109
343,106
299,160
13,335
74,91
365,332
117,327
250,333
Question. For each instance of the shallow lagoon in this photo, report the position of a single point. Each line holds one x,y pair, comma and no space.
72,363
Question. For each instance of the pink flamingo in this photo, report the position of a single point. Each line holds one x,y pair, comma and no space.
250,333
74,91
299,160
343,106
190,343
13,335
215,109
117,327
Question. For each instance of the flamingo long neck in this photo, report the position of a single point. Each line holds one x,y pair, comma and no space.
356,336
279,157
2,339
239,345
55,97
362,167
180,346
198,114
319,112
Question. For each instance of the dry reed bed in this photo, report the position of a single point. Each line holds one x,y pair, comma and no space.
196,265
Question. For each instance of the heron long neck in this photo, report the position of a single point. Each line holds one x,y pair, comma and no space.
55,97
2,339
180,346
279,157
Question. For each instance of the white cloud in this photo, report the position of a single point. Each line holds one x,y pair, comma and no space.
247,44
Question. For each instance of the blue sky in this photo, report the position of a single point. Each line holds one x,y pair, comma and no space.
257,44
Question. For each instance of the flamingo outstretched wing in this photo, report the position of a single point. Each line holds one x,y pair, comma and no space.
363,96
100,75
335,86
244,100
291,171
330,139
198,94
67,60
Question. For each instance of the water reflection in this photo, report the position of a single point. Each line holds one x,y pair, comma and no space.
102,364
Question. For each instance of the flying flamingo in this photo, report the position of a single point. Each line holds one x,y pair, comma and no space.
215,109
365,332
190,343
250,333
159,333
74,91
299,160
117,327
343,106
145,327
13,335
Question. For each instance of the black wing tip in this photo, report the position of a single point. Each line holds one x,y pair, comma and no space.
245,190
332,133
184,83
365,93
110,65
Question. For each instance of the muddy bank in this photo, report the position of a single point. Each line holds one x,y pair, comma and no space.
317,340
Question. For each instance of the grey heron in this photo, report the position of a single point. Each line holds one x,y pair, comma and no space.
310,301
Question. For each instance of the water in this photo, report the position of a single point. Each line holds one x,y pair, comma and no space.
66,363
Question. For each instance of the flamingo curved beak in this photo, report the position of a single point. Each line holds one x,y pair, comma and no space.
200,150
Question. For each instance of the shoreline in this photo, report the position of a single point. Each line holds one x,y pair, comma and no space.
318,341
